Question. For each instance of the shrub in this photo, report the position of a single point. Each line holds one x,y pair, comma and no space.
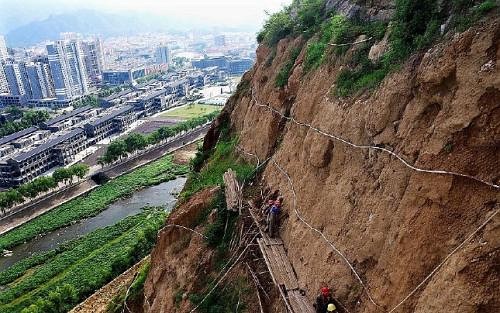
278,26
283,75
222,159
331,31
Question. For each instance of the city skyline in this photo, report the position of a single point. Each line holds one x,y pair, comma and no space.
185,14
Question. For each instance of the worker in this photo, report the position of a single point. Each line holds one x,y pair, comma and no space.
274,216
325,302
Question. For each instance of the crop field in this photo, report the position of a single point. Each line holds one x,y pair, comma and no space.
84,265
190,111
94,202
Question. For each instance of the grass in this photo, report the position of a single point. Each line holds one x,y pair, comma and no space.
87,263
222,159
94,202
285,72
191,111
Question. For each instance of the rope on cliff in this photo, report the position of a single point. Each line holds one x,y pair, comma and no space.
445,260
301,218
186,228
401,159
349,43
365,288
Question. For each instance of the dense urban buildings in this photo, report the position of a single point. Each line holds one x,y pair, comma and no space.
56,79
30,153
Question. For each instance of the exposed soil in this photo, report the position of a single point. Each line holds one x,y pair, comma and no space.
396,227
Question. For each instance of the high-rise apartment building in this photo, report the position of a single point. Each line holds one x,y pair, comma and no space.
4,55
25,80
94,60
14,80
4,86
163,55
40,87
67,65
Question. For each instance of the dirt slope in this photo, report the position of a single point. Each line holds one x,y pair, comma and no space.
394,225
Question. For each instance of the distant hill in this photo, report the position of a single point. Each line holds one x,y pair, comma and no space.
93,22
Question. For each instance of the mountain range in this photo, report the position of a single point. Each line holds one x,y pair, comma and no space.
90,22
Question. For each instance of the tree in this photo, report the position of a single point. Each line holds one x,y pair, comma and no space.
79,170
62,175
117,149
135,142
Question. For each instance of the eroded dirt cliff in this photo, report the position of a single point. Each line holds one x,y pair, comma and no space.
393,224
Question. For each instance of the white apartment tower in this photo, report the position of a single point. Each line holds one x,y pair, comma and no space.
67,65
3,50
4,86
94,60
14,79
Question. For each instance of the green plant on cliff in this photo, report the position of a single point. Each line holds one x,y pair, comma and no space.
415,26
283,75
222,158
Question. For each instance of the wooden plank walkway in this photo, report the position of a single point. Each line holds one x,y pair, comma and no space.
281,270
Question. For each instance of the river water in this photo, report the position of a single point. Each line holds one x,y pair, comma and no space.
160,195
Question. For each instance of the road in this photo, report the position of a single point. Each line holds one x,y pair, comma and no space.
46,204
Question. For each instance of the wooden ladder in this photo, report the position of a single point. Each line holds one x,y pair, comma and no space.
281,270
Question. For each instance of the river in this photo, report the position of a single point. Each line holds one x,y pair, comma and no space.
160,195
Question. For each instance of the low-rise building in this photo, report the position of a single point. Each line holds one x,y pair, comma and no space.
110,123
26,165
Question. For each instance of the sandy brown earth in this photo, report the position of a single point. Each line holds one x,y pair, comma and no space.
394,225
403,232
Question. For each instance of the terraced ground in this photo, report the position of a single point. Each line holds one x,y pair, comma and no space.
84,264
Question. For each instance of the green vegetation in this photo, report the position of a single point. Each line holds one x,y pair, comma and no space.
134,292
91,100
415,26
283,75
84,264
95,201
136,142
223,299
41,184
221,159
191,110
60,300
108,91
306,20
465,12
25,120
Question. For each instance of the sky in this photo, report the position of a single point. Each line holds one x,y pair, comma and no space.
15,13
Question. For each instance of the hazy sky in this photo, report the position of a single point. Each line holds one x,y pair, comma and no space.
222,12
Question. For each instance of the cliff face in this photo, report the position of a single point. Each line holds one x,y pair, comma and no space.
393,224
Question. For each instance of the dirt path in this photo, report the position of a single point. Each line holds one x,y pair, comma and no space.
98,302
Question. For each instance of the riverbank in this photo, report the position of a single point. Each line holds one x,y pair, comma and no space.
95,201
47,204
85,264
